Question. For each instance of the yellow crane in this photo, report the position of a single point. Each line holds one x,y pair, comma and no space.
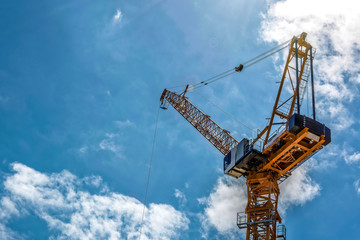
288,140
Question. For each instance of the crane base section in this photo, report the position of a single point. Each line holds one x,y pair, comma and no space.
242,158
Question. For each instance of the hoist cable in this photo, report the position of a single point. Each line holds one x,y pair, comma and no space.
214,80
307,100
273,49
149,172
217,76
272,53
178,86
202,82
245,65
231,116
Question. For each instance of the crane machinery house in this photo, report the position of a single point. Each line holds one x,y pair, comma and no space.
244,157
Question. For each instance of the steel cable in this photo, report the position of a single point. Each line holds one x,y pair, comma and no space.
246,64
231,116
149,172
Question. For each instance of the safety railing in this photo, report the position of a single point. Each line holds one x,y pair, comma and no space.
281,232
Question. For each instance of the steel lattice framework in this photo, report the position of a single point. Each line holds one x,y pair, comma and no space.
263,193
218,136
297,67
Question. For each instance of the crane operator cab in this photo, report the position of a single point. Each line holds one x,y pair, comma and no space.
244,157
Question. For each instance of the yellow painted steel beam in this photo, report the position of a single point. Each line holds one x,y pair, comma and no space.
305,155
278,154
279,108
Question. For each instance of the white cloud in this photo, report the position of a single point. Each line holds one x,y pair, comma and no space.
93,181
327,159
337,112
181,196
122,124
83,149
333,30
229,197
8,234
357,186
298,189
7,209
73,213
110,143
118,16
353,158
349,154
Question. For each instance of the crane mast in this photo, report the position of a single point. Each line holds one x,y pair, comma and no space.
281,150
295,78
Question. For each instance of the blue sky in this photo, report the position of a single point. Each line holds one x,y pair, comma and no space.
80,84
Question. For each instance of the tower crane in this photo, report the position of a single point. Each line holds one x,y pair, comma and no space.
287,141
